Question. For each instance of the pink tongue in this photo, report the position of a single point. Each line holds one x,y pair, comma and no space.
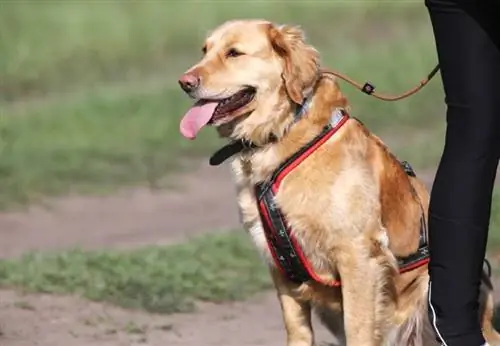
196,117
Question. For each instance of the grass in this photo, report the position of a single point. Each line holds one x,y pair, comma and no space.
52,44
94,145
219,267
90,101
216,268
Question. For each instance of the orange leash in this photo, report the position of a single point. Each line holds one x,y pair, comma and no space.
369,88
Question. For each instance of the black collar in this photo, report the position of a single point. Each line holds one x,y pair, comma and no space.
229,150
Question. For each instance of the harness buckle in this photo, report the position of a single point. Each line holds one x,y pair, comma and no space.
408,168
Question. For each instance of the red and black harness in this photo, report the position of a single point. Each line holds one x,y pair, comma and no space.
286,251
284,247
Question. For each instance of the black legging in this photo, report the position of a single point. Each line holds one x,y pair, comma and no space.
467,35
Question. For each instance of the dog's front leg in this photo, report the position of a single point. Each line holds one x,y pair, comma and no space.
358,296
296,314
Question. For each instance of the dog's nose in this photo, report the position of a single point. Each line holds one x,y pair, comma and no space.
189,82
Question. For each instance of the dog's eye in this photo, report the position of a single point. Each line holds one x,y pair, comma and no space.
233,53
204,50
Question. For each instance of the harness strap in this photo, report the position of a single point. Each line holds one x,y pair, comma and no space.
339,117
415,260
419,257
284,247
281,244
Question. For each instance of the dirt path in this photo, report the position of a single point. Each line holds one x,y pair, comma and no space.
62,321
201,202
204,203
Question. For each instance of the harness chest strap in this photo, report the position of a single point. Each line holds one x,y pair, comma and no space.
284,247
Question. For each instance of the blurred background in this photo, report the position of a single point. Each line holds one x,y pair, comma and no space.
101,197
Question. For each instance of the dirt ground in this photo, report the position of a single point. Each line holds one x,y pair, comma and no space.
204,203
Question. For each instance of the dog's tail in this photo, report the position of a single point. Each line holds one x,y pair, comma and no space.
418,331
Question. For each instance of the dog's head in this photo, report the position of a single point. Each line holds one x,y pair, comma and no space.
250,77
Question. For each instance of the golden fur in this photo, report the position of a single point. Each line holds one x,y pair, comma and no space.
350,204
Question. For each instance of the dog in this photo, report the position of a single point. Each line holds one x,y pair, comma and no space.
333,212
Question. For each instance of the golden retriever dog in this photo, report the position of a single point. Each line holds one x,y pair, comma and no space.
351,208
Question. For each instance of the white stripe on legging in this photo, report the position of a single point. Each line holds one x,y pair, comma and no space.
434,318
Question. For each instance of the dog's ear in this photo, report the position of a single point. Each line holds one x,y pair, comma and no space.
301,61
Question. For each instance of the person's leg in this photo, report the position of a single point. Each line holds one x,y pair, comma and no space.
461,195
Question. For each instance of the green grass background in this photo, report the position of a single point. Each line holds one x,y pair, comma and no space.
157,279
89,99
89,103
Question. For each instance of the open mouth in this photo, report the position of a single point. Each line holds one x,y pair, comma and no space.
231,104
206,111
